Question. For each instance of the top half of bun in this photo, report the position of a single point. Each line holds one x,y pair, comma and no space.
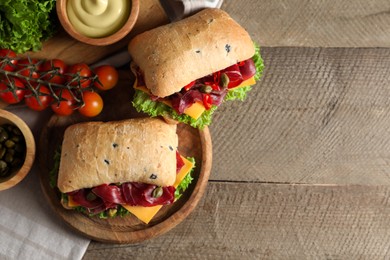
173,55
133,150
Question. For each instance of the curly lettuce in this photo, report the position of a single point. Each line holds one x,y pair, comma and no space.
259,63
24,24
143,103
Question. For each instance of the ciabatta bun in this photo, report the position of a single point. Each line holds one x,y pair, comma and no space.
134,150
173,55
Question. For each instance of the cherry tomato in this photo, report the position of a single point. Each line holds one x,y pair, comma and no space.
8,96
8,60
93,104
44,99
107,77
29,68
65,107
83,71
58,67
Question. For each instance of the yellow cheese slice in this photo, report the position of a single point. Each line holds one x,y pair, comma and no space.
195,110
188,165
145,214
72,203
248,82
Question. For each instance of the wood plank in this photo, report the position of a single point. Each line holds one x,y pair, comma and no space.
314,23
319,115
271,23
257,221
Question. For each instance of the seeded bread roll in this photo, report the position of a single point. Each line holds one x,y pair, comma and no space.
134,150
173,55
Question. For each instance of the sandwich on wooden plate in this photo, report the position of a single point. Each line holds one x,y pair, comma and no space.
185,70
115,168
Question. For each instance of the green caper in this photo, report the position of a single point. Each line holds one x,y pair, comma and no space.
157,192
3,150
12,149
3,166
3,136
225,80
206,89
91,196
16,138
8,157
4,172
9,143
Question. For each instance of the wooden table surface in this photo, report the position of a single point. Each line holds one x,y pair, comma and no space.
301,170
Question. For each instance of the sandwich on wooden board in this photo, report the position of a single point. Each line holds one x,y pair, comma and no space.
115,168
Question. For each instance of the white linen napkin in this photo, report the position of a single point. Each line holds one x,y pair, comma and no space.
29,228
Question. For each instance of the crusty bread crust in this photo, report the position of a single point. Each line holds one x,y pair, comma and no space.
134,150
173,55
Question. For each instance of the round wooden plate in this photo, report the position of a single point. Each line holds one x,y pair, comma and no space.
192,143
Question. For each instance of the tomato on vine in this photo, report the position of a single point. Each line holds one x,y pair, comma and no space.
83,71
55,70
93,104
42,101
8,60
7,95
66,106
107,77
29,68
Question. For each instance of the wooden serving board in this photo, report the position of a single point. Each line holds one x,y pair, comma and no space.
192,142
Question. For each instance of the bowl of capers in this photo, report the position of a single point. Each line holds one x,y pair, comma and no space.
17,149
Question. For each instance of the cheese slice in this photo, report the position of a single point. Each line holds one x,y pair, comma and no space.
72,203
145,214
196,109
248,82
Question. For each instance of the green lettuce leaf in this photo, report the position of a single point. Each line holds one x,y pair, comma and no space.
143,103
241,93
259,63
237,93
24,24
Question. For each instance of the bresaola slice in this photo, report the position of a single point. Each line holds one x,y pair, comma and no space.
247,69
106,196
218,87
109,193
141,194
